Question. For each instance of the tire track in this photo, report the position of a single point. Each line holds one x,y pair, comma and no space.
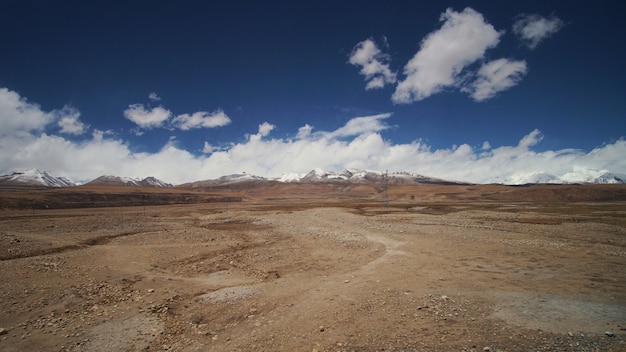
94,241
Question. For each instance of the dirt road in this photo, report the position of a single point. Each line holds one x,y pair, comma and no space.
513,276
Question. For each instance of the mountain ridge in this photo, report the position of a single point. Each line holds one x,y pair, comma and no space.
35,177
111,180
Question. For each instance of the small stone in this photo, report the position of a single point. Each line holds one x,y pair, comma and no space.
151,290
3,331
486,348
322,328
346,281
609,334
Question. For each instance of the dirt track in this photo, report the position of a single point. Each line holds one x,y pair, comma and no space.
327,274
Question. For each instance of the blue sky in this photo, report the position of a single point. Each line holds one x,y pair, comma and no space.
481,91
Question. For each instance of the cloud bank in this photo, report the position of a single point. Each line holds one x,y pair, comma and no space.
29,138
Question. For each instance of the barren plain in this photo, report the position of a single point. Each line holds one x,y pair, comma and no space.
317,267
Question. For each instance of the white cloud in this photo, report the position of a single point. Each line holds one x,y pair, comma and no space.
462,40
201,119
155,117
356,144
161,117
264,130
494,77
69,121
304,131
533,29
154,97
208,148
360,125
17,114
373,64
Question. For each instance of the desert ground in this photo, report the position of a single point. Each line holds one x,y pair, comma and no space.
317,267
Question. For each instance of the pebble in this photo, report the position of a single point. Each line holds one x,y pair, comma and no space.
3,331
609,334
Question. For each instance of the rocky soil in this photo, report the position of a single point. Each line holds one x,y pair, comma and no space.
276,273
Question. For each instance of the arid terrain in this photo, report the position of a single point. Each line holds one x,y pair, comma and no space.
314,267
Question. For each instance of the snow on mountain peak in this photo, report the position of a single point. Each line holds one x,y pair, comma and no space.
577,175
128,181
586,175
34,177
290,177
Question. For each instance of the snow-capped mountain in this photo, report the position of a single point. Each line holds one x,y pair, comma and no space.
530,178
154,182
362,176
232,179
577,175
128,181
239,178
34,177
584,175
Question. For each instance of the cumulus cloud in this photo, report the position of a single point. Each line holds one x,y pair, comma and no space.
360,125
154,97
17,114
208,148
304,131
494,77
69,121
374,64
147,118
264,129
201,119
356,144
143,118
448,56
462,40
533,29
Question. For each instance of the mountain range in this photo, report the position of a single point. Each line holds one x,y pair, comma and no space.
34,177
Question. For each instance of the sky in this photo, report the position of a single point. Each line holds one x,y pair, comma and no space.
476,91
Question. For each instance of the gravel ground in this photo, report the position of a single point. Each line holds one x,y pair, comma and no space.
340,277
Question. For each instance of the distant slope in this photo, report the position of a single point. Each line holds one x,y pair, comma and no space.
34,177
109,180
367,177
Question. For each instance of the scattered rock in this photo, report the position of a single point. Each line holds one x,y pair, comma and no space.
609,334
3,331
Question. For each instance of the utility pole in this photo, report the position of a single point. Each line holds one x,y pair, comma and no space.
385,187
